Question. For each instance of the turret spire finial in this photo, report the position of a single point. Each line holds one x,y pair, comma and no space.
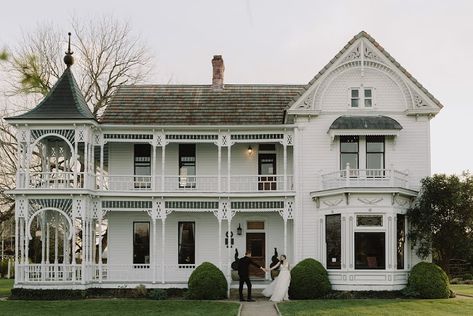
68,59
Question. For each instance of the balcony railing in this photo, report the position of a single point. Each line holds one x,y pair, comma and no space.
240,183
365,178
53,180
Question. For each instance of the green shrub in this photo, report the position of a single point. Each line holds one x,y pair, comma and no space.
468,276
427,280
207,282
158,294
309,280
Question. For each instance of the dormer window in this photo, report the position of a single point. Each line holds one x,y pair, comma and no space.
361,97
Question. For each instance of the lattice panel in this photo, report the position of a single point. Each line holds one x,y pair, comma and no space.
191,204
21,206
128,136
127,204
257,205
66,133
256,136
62,204
191,137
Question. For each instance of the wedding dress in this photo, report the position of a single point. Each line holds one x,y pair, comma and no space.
277,290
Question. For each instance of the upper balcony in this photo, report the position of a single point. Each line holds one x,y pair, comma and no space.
364,178
167,184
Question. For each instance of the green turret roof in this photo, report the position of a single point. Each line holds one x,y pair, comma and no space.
64,101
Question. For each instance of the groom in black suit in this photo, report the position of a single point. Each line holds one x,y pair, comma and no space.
244,274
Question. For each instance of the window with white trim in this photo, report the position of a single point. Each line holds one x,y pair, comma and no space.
361,97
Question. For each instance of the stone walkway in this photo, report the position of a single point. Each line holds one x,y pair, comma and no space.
258,308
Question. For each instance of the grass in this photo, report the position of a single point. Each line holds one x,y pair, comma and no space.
5,287
371,307
119,307
466,289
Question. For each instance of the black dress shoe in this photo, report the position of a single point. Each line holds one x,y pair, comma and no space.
242,300
250,300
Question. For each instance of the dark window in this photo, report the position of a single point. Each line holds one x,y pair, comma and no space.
370,252
142,163
186,247
401,240
368,98
187,170
333,241
141,242
349,152
375,156
355,98
266,167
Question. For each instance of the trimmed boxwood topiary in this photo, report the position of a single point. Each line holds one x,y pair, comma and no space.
309,280
207,282
428,280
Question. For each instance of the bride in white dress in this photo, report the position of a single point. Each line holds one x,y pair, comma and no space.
278,289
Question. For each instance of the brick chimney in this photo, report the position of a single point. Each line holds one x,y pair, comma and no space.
217,73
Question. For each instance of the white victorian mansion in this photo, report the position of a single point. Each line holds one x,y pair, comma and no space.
171,176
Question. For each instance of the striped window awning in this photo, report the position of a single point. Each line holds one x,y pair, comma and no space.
364,125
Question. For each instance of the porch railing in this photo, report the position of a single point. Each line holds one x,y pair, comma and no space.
365,178
53,180
204,183
68,273
50,273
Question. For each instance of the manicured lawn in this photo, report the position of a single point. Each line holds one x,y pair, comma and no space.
466,289
5,286
378,307
118,307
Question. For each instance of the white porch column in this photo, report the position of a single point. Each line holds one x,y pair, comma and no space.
17,257
100,216
56,241
102,174
43,245
73,248
163,244
229,160
76,154
86,164
64,250
153,167
285,167
27,239
48,242
219,166
56,247
219,215
153,250
84,248
163,166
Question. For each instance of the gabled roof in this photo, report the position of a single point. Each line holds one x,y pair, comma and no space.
64,101
200,104
382,50
365,122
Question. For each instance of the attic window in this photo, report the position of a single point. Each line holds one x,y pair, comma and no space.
361,97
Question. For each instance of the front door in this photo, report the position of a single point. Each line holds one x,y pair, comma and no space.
256,242
266,168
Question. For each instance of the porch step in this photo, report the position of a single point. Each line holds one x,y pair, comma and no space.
255,293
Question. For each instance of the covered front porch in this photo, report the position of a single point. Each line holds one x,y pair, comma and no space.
124,243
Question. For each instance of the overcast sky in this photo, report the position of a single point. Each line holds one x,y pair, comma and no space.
269,41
